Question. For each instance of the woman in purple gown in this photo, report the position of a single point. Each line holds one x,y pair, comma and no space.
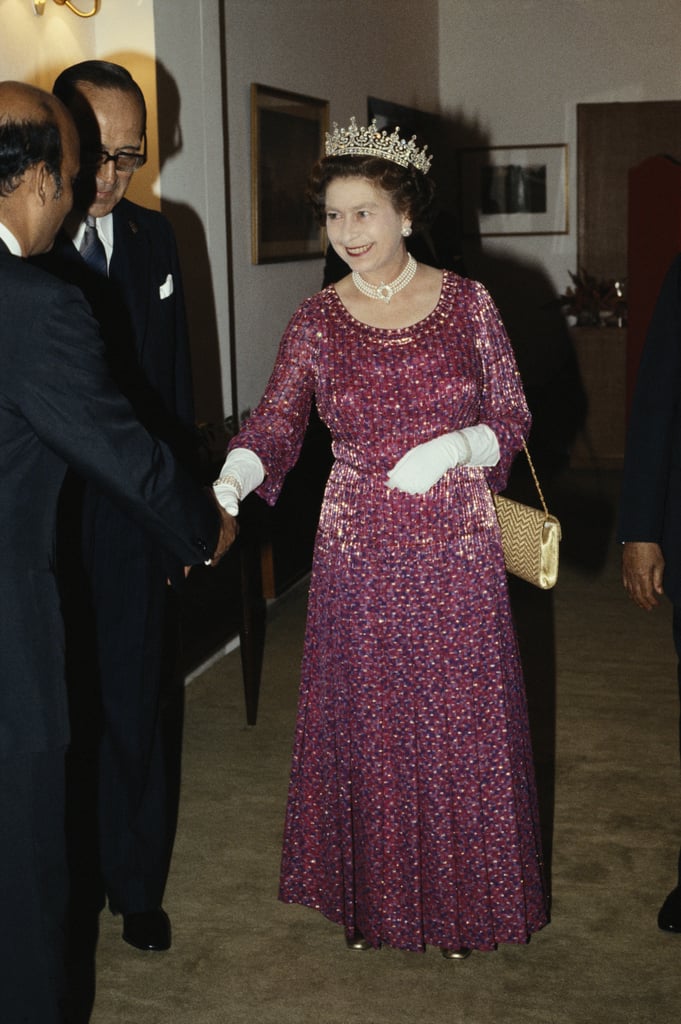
412,813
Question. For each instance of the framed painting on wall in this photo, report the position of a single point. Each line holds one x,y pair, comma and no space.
514,190
287,138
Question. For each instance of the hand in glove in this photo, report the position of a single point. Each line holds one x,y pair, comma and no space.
241,473
422,466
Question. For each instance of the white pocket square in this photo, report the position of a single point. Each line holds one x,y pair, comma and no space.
167,287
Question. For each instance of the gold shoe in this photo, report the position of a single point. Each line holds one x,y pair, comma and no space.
455,954
358,942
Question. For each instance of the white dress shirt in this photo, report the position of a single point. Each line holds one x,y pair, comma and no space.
10,241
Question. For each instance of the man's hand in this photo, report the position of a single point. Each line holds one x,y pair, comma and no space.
228,531
642,569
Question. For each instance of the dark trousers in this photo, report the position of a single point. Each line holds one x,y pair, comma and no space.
33,889
676,629
139,755
126,702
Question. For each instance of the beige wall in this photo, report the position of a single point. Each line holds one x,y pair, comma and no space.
32,48
516,70
35,49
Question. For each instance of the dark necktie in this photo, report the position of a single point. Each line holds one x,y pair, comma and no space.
92,248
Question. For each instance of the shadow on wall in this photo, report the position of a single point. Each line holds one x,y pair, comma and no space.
530,308
195,262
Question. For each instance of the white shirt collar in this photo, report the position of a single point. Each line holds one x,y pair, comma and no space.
10,240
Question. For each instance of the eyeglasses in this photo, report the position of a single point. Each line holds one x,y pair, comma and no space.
124,160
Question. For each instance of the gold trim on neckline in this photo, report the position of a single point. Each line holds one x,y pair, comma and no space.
390,341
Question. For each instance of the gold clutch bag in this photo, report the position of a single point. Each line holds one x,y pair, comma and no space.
530,538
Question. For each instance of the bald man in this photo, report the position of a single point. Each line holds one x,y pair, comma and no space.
58,407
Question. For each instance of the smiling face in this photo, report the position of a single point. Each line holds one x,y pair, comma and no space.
365,229
119,118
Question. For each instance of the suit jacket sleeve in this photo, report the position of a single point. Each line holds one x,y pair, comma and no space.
65,391
149,344
652,462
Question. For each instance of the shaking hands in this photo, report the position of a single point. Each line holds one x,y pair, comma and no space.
226,537
228,531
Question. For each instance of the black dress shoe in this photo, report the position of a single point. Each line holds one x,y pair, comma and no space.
149,929
669,918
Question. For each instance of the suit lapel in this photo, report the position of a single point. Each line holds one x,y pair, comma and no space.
130,268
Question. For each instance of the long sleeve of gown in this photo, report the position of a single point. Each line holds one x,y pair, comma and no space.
502,404
276,428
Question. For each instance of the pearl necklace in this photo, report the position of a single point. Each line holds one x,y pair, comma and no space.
385,292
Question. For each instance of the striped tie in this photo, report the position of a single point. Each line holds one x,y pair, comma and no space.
92,248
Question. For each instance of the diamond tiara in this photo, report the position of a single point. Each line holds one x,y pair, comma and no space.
360,141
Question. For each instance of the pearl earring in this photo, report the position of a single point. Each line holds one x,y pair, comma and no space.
406,231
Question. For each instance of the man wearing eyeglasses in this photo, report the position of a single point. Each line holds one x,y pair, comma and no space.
123,768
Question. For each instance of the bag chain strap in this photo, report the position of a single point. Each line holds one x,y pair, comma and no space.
534,477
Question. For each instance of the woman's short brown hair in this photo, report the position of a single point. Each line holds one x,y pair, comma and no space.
410,190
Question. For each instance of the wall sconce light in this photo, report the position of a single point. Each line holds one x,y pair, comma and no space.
39,7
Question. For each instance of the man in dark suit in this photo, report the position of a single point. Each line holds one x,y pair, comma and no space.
132,746
650,513
58,405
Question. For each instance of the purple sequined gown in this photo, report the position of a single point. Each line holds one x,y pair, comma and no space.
412,810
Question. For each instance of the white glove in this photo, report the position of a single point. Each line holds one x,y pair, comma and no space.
424,465
241,473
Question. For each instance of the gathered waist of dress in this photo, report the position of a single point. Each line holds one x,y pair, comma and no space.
364,461
358,504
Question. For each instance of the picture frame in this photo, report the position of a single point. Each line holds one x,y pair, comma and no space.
287,138
514,190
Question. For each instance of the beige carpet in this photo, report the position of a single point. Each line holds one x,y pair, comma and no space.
240,956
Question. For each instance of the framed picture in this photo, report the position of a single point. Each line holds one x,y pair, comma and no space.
287,138
514,190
